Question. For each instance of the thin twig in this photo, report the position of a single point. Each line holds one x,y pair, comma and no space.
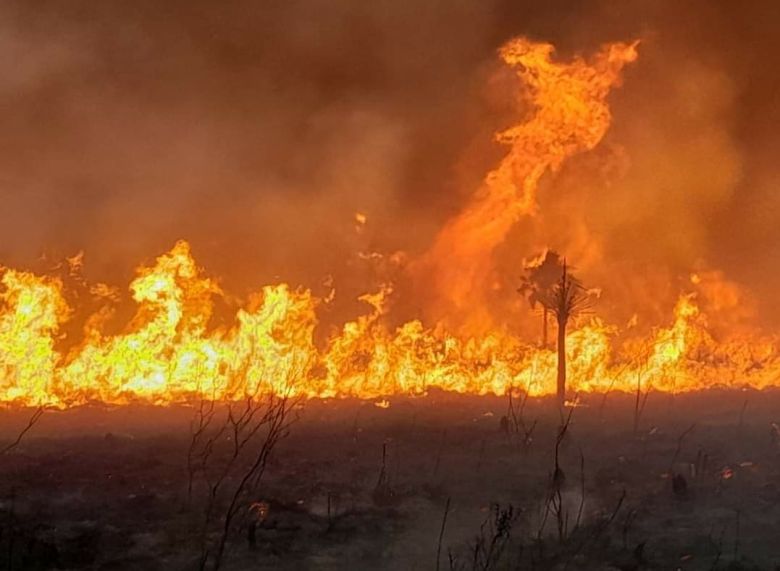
441,533
582,490
30,423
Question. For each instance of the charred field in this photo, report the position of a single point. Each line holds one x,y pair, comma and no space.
262,265
439,482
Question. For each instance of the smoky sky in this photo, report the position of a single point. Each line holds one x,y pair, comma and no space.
257,129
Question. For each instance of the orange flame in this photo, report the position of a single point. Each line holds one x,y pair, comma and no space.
568,114
170,351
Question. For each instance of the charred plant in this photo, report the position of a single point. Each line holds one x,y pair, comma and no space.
227,458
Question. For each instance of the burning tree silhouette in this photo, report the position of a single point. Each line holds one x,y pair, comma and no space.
540,276
564,297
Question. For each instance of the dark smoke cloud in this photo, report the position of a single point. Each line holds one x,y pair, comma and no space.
257,129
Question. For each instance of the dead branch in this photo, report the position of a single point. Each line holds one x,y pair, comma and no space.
582,490
554,503
441,533
32,421
516,413
228,454
277,428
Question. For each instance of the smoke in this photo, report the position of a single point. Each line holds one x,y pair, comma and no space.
680,183
257,130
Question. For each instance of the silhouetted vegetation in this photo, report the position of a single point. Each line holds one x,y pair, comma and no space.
551,285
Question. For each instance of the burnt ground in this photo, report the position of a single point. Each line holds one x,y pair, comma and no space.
695,486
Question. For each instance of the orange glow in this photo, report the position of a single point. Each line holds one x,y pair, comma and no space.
170,351
567,114
169,354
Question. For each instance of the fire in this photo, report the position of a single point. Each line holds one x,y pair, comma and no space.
171,350
568,114
33,310
169,353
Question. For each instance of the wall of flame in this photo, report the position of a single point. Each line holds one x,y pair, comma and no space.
172,349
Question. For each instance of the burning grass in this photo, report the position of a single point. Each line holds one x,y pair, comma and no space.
64,341
169,354
415,442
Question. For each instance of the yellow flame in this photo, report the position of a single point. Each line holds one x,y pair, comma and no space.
170,351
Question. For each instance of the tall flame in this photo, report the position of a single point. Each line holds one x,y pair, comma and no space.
568,114
170,350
